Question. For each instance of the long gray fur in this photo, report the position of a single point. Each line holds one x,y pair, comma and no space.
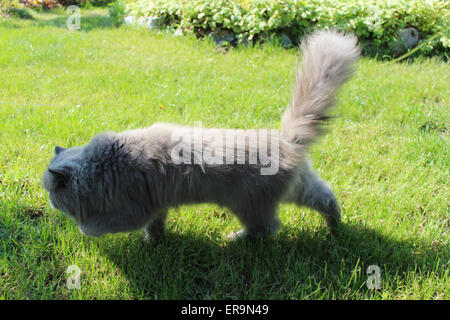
127,181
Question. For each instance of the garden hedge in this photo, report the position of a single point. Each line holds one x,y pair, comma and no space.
377,23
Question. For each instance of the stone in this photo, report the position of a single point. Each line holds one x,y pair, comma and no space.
407,38
150,22
154,23
141,21
129,20
223,37
285,41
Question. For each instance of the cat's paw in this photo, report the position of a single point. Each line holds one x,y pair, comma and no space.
151,239
233,236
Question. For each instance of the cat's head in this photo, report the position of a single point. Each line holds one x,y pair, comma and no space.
85,183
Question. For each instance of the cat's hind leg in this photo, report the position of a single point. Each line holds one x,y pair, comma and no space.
259,221
154,232
314,193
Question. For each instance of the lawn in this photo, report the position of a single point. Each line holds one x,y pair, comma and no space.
386,156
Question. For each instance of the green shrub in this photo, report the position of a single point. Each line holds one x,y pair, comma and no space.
100,3
13,8
44,4
375,22
117,12
66,3
50,4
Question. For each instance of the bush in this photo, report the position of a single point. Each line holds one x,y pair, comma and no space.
9,4
375,22
117,12
50,4
11,8
45,4
100,3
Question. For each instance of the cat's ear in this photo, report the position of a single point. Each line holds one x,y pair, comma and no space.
61,173
56,177
59,149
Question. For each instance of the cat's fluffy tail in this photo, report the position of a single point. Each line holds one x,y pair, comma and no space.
327,62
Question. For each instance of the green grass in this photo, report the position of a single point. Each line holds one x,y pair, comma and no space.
386,156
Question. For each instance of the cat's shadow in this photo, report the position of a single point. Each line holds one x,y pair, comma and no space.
308,265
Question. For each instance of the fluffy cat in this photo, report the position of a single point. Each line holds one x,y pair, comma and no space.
127,181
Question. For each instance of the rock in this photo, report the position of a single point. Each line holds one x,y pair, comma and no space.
150,22
223,37
129,20
154,23
285,41
407,38
141,21
410,37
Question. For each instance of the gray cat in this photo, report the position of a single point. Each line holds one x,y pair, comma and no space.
127,181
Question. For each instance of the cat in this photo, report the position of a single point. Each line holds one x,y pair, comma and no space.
121,182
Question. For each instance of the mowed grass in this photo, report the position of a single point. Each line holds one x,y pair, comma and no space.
386,156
